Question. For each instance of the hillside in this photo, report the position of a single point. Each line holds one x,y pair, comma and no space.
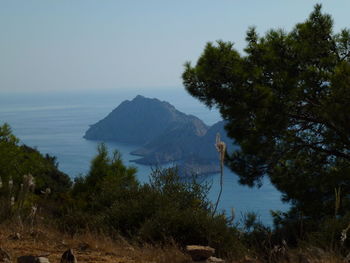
108,216
192,153
164,135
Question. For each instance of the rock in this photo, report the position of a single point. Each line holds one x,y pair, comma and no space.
42,260
32,259
68,257
212,260
215,260
4,256
200,253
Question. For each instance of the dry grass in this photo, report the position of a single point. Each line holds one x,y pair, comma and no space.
87,247
90,247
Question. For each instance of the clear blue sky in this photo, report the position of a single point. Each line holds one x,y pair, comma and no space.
114,44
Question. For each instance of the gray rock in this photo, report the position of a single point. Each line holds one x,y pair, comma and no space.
4,255
43,260
68,257
200,253
215,260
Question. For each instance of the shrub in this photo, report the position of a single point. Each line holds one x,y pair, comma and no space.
111,200
20,168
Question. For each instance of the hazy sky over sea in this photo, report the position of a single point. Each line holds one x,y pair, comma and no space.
114,44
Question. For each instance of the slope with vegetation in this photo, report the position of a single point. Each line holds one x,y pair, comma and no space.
108,216
109,201
19,164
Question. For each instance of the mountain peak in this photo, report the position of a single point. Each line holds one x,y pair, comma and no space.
139,121
139,97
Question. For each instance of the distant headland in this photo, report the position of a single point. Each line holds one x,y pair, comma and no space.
164,135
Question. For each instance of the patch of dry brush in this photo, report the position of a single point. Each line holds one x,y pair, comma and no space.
87,247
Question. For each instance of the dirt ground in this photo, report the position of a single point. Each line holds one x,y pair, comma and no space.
87,247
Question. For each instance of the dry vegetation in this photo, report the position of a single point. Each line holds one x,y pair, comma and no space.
87,247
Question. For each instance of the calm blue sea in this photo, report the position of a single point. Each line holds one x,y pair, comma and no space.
55,123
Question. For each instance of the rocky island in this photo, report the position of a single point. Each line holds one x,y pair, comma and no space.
164,135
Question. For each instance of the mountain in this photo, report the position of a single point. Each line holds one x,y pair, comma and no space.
175,143
140,121
205,159
194,154
165,135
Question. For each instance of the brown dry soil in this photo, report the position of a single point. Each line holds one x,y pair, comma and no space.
87,247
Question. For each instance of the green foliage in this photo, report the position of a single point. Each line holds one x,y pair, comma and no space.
286,101
257,237
17,164
108,185
110,199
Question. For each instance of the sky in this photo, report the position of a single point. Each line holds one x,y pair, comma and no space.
73,45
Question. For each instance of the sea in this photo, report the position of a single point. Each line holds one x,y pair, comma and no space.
55,122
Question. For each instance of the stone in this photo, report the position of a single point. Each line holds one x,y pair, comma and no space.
215,260
4,256
68,257
200,253
32,259
212,260
42,260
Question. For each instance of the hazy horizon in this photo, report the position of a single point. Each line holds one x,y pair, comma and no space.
92,45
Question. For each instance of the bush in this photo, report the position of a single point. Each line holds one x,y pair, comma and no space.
111,200
28,179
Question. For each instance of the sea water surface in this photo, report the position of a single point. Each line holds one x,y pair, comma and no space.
55,122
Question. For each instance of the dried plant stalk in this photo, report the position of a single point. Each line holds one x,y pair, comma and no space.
221,148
